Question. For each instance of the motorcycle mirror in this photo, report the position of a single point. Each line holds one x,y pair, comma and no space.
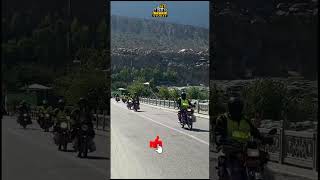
272,131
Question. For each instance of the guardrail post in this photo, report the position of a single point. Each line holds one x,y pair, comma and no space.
156,102
282,143
148,102
104,121
198,106
97,119
315,152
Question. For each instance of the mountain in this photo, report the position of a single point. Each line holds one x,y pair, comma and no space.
154,34
162,46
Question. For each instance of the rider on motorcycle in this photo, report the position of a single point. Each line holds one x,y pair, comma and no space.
82,115
44,109
233,127
61,114
23,109
183,103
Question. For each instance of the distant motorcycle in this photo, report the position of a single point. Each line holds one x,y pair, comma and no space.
24,119
250,154
129,104
47,122
124,100
40,119
136,106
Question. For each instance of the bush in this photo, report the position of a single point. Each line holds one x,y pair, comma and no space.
217,101
266,97
301,109
163,93
174,94
137,87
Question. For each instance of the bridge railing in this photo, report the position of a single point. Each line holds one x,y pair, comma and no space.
294,148
201,108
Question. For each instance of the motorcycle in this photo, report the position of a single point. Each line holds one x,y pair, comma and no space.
124,100
129,104
84,141
136,106
24,119
187,117
47,122
40,120
63,135
249,154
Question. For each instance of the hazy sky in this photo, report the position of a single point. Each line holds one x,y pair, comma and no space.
183,12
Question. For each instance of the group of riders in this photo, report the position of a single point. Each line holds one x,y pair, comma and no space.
75,126
229,130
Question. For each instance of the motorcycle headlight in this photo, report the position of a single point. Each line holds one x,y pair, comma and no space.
84,127
63,125
253,152
25,115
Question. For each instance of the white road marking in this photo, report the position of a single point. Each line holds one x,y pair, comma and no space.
177,130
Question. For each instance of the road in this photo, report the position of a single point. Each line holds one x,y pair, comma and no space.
185,153
31,155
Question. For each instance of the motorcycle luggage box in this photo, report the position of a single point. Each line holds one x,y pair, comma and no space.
194,119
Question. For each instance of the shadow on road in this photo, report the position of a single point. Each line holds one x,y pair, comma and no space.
69,150
197,130
97,158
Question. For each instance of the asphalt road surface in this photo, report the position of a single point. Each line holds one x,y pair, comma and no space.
31,154
185,153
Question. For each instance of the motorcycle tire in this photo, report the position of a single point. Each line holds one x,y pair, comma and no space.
65,146
190,126
85,153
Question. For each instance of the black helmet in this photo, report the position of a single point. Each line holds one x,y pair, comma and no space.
183,95
235,106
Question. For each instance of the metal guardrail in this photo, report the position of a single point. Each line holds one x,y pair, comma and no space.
294,148
201,108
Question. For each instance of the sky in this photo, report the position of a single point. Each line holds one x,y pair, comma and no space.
194,13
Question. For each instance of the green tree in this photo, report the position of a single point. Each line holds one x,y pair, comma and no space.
174,94
266,97
164,93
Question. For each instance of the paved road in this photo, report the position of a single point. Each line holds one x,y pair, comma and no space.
31,155
185,153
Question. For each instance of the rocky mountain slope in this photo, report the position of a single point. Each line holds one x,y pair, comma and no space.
134,32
